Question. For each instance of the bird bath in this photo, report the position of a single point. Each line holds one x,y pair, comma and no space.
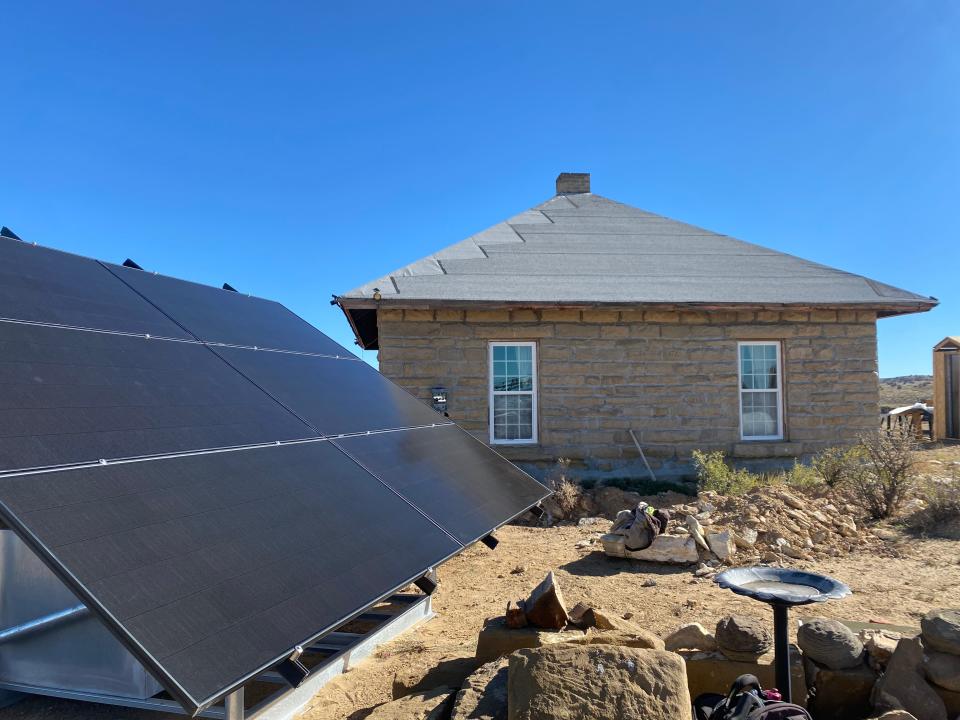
782,588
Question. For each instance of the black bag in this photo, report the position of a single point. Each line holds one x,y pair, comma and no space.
745,701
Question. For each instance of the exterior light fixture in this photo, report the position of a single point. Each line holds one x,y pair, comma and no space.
438,397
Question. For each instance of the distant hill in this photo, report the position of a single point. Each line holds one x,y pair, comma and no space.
905,390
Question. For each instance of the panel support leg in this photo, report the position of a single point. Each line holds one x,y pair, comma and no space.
234,705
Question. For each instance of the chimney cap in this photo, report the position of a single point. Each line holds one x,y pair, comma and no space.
573,183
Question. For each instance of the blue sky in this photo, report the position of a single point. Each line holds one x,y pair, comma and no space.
296,150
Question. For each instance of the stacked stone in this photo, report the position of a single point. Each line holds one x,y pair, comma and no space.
742,638
941,639
837,670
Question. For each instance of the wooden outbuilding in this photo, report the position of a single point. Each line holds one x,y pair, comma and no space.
946,388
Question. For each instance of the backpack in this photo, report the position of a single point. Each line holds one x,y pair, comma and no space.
746,701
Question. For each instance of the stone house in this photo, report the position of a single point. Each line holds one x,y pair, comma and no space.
557,332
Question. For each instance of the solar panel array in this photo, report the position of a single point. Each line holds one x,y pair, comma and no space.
216,478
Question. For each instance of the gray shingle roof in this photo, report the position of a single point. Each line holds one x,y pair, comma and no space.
587,249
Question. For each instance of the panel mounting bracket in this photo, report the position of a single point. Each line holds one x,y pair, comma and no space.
131,264
536,511
427,582
292,670
490,541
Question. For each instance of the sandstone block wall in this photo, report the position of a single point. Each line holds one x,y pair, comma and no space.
669,375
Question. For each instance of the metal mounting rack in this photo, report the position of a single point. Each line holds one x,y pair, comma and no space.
334,654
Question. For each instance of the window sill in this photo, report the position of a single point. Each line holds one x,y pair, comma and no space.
767,449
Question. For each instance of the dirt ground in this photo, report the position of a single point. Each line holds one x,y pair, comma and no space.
899,584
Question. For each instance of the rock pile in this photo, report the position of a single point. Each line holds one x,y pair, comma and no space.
769,524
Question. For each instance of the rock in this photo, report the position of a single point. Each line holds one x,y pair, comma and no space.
703,571
569,682
745,538
431,705
896,715
770,557
696,532
721,544
637,638
839,694
673,549
585,522
629,633
903,686
483,695
583,544
943,670
793,502
515,616
740,637
577,612
496,639
693,636
880,645
830,643
941,631
545,607
650,582
793,552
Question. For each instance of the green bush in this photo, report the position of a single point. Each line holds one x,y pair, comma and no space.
715,475
802,476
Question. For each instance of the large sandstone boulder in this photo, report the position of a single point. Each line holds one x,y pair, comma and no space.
903,686
672,549
496,639
483,695
596,682
431,705
742,638
637,638
830,643
941,631
721,544
880,646
616,631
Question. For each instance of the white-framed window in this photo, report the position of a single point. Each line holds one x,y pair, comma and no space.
513,393
761,390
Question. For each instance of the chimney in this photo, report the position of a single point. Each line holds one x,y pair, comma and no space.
572,183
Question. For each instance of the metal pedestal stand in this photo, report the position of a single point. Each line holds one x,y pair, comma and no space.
782,588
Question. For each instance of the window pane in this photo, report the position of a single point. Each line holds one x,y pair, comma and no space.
515,372
758,367
513,417
758,411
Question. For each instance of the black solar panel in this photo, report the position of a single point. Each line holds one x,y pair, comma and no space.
451,476
42,285
71,396
221,316
215,566
333,396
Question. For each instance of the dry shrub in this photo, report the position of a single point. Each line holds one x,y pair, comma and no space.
567,497
834,464
566,493
940,514
885,474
